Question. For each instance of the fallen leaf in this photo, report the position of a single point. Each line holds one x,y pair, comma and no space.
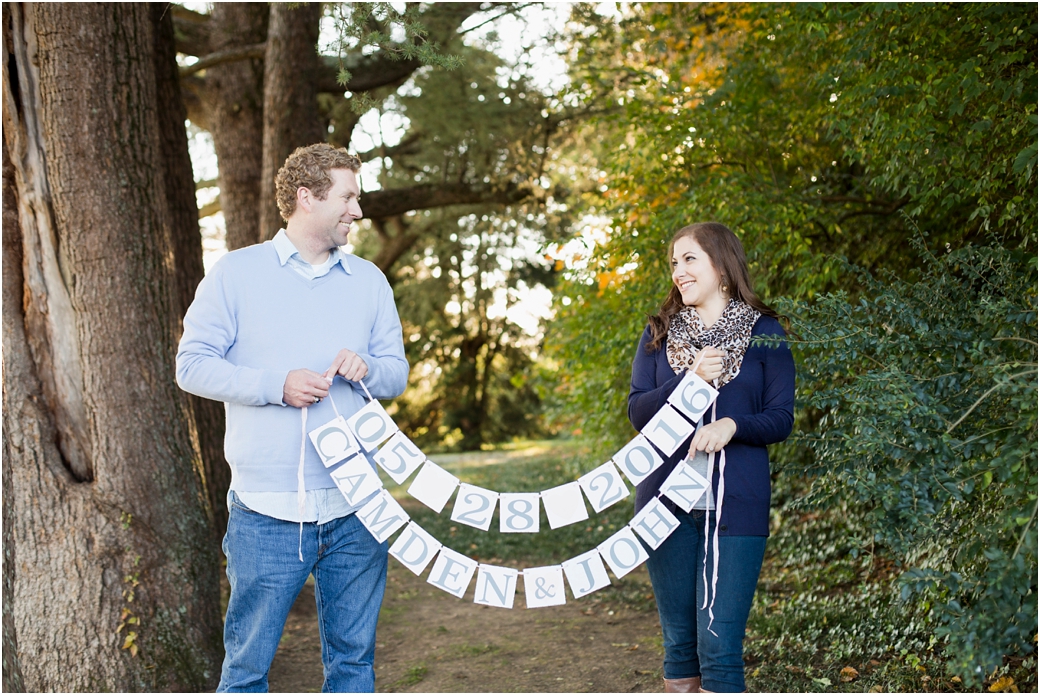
1004,685
632,648
955,679
849,674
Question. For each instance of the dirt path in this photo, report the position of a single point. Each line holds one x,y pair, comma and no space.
429,641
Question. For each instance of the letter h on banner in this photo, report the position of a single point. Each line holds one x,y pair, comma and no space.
654,523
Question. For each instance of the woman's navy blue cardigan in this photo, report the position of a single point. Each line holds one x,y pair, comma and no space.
760,400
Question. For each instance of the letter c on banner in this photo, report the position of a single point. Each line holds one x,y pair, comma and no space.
319,443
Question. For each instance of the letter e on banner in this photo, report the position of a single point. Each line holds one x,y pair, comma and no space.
356,479
496,586
684,486
414,548
585,573
638,459
623,552
668,429
372,426
518,512
693,396
474,506
382,516
603,486
334,442
452,572
654,523
399,458
543,586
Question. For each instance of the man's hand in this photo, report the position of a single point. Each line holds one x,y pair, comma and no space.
304,387
710,367
713,436
348,365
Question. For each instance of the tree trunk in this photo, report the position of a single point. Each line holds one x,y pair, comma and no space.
207,416
236,117
116,582
291,116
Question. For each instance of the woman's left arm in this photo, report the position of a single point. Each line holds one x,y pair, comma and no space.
774,423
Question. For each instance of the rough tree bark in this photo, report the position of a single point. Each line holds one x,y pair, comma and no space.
291,116
116,582
207,416
236,118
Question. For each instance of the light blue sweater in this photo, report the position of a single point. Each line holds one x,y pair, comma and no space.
252,322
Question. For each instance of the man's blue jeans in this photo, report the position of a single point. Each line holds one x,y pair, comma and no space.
266,575
676,573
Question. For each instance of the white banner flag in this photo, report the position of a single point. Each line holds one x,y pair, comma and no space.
372,425
356,479
543,586
564,505
382,516
334,442
668,429
399,458
474,506
638,459
433,486
496,586
684,486
585,573
452,572
693,396
623,552
654,523
603,486
518,512
414,548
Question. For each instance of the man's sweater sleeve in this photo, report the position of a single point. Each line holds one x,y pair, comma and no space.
387,366
209,332
776,420
646,397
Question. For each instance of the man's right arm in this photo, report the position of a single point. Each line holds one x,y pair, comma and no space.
210,328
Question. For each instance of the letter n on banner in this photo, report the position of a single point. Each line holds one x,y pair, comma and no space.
372,425
623,552
452,572
414,548
543,586
382,516
684,486
693,396
496,586
654,523
585,573
638,459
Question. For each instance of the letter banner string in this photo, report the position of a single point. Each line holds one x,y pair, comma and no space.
339,441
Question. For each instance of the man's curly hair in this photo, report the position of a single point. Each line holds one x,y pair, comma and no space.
310,168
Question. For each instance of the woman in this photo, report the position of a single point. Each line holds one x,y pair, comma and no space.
707,324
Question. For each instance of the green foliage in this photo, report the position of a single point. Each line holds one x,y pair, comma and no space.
929,395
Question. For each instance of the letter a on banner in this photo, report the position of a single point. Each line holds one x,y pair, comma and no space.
638,459
372,425
585,573
623,552
543,586
693,396
399,458
496,586
414,548
356,479
452,572
382,516
654,523
668,429
334,442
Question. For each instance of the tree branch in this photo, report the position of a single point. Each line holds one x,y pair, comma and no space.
397,201
191,31
251,51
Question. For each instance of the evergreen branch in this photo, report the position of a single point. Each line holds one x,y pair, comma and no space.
983,397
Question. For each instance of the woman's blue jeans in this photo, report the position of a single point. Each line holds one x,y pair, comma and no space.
266,575
676,573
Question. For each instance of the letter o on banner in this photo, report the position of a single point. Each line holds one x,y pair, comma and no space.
372,425
623,552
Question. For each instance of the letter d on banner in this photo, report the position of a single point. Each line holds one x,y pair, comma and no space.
414,548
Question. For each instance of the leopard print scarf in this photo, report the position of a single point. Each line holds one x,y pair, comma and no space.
731,333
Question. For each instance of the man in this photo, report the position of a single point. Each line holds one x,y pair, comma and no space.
282,332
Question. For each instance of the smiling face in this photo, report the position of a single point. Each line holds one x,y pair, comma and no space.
330,219
693,273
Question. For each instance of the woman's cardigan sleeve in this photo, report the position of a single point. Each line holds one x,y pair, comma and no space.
776,419
646,396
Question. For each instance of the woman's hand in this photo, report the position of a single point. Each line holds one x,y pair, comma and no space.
713,436
710,367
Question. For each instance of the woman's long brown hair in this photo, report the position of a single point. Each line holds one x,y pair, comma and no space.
727,257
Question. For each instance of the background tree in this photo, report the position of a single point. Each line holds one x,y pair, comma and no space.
115,586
